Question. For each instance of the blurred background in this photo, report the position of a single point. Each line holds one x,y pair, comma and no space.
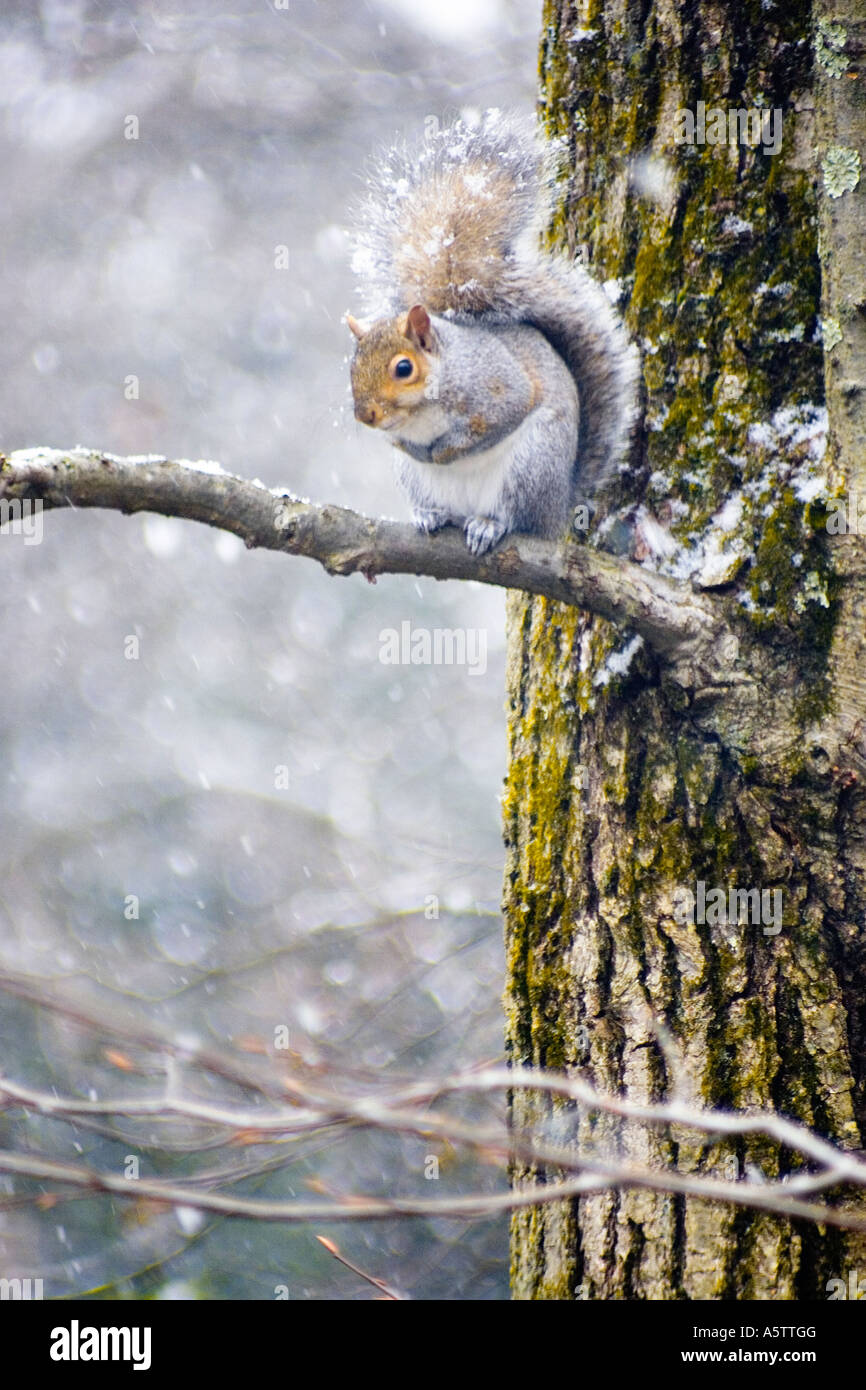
243,820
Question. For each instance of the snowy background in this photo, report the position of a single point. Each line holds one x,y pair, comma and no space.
154,258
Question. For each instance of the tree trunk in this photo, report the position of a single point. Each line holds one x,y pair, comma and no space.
632,783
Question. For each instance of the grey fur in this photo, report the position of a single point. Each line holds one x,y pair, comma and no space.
504,284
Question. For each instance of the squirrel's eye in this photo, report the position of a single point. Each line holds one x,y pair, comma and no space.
403,369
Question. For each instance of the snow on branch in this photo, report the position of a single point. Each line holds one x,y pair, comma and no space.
677,623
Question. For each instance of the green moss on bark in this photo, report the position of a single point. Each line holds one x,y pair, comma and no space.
719,271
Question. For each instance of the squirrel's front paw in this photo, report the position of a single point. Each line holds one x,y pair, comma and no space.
428,520
482,533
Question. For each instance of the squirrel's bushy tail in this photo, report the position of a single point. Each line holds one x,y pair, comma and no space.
456,225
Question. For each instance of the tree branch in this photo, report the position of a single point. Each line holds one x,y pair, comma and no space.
677,624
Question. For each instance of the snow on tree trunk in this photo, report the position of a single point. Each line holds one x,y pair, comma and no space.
632,784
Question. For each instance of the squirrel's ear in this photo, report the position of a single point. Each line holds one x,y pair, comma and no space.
359,329
419,329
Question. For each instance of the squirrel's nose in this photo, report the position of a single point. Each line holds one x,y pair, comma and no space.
368,414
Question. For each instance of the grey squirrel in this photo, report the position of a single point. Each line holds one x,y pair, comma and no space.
501,371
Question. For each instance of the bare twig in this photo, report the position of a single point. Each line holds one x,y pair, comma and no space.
397,1111
769,1197
283,1106
388,1291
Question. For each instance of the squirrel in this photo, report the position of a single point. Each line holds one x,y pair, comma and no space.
501,372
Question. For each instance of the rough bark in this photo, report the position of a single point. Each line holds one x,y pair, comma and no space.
627,786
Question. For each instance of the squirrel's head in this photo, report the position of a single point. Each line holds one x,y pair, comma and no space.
393,367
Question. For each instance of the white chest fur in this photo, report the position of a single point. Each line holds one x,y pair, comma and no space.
471,486
423,426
